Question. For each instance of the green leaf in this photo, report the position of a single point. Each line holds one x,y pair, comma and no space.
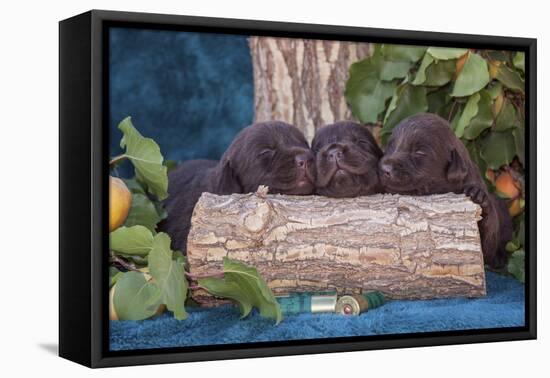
169,276
440,73
474,151
511,246
516,265
231,290
369,101
434,73
161,211
445,53
387,69
473,77
439,101
139,261
407,101
519,140
507,117
243,284
134,186
393,103
456,118
372,80
519,61
143,212
483,119
499,55
132,298
146,157
469,112
421,74
510,78
494,89
402,53
498,149
135,240
114,275
365,92
180,258
255,287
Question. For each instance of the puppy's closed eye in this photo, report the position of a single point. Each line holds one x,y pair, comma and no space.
266,152
420,153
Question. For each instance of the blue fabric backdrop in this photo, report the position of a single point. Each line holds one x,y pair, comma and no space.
192,93
502,307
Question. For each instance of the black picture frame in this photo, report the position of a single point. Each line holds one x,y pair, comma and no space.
83,196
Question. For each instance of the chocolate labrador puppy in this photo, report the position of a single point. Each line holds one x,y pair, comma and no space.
347,157
423,156
275,154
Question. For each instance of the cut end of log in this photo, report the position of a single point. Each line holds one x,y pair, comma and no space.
407,247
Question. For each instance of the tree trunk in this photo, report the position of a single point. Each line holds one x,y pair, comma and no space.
302,81
406,247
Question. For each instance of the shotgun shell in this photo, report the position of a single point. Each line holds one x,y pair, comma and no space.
357,304
307,302
352,305
323,303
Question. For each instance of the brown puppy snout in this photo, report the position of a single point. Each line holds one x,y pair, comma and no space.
346,157
335,153
391,168
304,160
305,167
386,169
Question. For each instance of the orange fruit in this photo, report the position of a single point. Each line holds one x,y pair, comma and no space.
516,207
120,200
506,186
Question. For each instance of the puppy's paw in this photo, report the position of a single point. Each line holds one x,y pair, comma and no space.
478,195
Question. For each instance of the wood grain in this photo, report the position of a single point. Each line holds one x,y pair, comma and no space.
302,81
406,247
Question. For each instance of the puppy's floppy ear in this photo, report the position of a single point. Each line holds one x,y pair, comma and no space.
456,169
225,180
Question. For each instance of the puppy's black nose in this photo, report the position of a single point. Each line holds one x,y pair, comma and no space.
386,169
303,160
335,154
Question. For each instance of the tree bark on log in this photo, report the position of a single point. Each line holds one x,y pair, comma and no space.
302,81
406,247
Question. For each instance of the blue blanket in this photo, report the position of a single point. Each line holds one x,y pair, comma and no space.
504,306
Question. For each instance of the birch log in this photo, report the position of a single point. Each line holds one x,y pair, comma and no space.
406,247
302,81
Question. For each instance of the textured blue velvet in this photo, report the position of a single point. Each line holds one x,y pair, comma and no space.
190,92
502,307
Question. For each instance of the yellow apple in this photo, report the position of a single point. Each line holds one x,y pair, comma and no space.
120,201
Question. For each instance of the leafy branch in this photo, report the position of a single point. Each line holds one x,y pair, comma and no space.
167,279
480,92
145,155
154,275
